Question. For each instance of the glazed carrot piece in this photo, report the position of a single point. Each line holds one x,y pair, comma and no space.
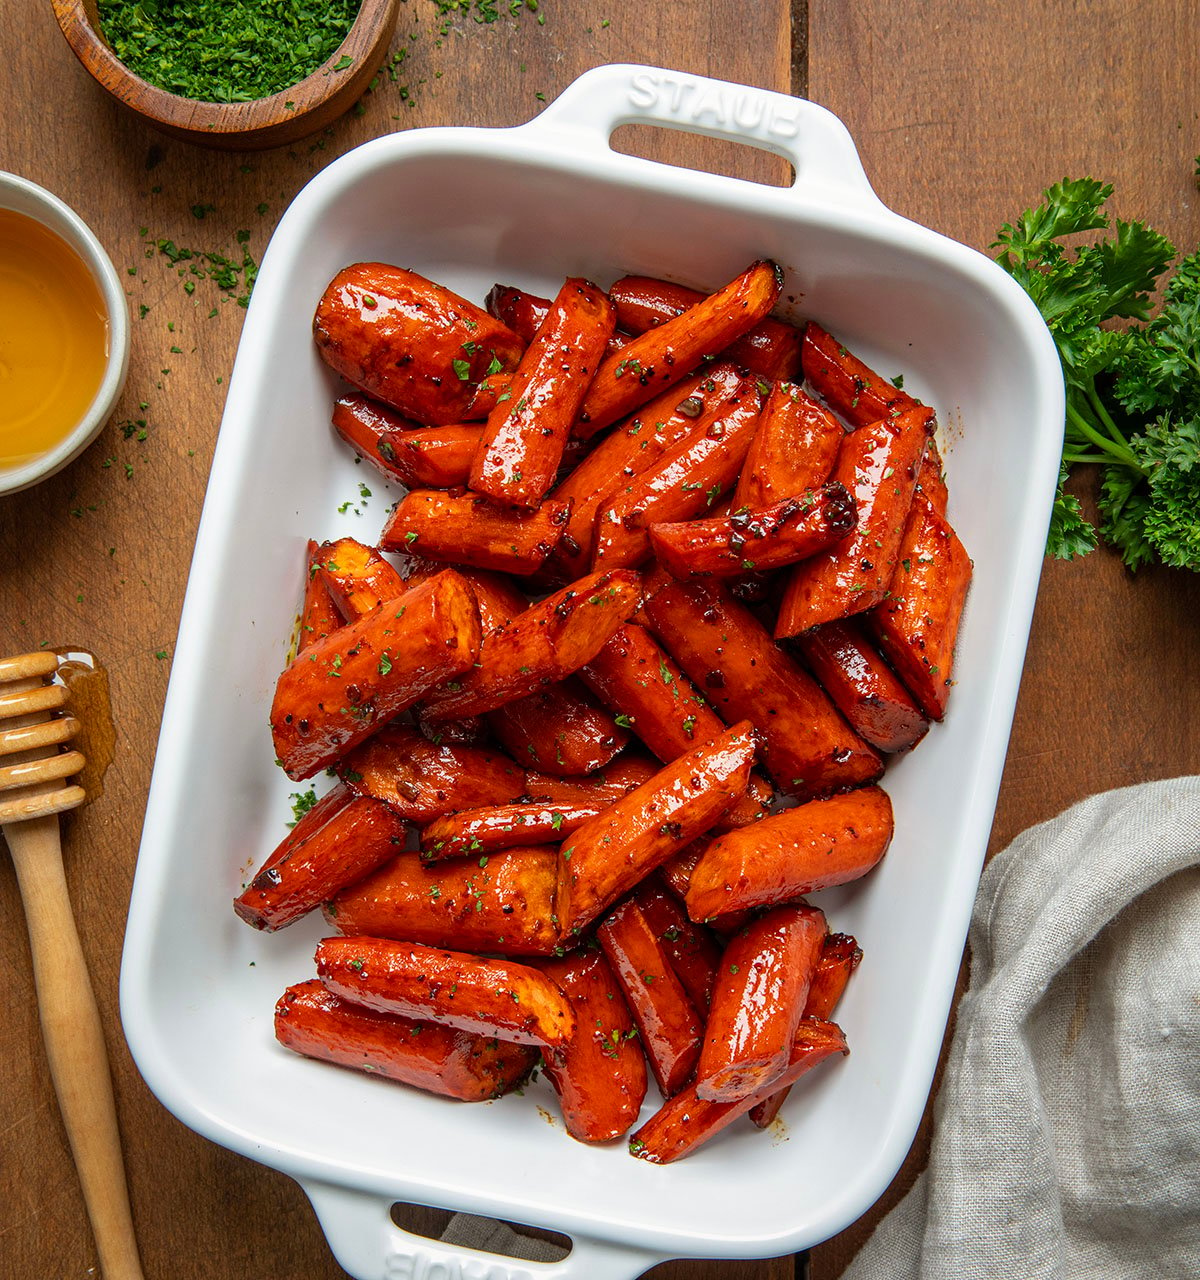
863,687
917,625
691,948
687,1120
794,449
358,578
633,447
611,854
840,956
341,839
652,362
625,774
560,730
463,527
472,832
931,481
486,396
667,1021
636,677
489,997
319,616
522,444
838,959
506,905
431,457
544,644
878,464
771,348
813,846
761,989
421,780
409,342
524,313
517,310
808,749
498,597
438,1059
600,1075
676,874
850,388
756,539
685,482
343,687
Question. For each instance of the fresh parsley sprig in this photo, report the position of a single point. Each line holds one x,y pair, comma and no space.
1133,390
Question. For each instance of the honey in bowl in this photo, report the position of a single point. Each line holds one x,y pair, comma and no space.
53,339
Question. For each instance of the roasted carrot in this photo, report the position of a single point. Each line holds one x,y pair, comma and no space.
668,1022
691,948
771,348
808,749
863,687
358,578
433,457
878,464
486,396
611,854
838,959
560,729
766,538
476,832
631,448
848,386
685,482
600,1075
319,616
625,774
421,780
840,956
687,1120
931,481
794,449
545,644
761,990
341,839
438,1059
343,687
634,676
524,313
798,851
465,528
522,444
413,344
917,625
486,996
660,357
506,904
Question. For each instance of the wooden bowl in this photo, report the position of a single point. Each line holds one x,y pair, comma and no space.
300,110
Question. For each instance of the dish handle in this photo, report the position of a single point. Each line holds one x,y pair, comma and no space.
370,1246
813,140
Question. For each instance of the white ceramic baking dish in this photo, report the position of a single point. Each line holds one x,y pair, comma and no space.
529,206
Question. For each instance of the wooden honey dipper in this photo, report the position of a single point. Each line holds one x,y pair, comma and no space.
34,790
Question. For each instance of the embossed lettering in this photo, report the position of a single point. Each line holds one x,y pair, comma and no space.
712,103
422,1265
748,111
782,123
643,90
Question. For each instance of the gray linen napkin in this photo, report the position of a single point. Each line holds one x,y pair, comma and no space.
1067,1133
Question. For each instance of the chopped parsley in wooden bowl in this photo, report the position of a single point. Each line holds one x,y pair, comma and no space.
235,74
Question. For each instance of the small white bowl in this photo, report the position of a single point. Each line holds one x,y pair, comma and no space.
23,196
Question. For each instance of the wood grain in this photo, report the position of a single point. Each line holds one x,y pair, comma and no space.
963,113
97,557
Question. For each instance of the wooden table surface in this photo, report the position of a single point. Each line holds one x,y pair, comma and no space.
963,111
